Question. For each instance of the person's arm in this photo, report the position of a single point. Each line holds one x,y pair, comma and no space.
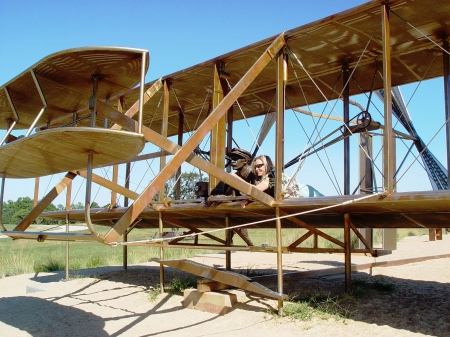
265,184
262,186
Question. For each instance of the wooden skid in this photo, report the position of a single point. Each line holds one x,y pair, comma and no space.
225,277
42,236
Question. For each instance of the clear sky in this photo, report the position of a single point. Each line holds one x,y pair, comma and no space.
178,34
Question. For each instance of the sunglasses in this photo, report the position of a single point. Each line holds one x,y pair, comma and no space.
259,166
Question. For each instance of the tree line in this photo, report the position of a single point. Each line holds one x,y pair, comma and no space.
15,211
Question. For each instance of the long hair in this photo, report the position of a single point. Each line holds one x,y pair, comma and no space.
267,164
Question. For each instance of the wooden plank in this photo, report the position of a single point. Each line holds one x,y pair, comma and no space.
47,200
235,280
43,236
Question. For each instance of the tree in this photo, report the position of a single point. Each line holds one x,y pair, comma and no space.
187,186
95,205
14,212
78,205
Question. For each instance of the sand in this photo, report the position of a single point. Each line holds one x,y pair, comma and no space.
113,302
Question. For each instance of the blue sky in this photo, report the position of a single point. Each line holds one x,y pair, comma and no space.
178,34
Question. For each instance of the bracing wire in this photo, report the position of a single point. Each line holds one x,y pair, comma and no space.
243,115
345,85
425,148
318,136
320,159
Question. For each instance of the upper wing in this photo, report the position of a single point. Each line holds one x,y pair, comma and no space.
317,53
65,80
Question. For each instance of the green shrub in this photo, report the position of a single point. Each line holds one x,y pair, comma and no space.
94,261
322,307
49,266
177,285
153,293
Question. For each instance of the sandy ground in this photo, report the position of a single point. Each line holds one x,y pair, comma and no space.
112,302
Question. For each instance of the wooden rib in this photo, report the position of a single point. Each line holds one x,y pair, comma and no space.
312,229
301,239
358,234
42,236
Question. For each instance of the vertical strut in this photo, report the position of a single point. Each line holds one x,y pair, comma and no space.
348,252
279,149
388,135
346,101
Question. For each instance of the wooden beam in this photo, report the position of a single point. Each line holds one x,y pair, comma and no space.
135,107
312,229
45,202
348,252
388,136
218,131
301,239
36,191
186,151
164,128
110,185
168,145
226,277
360,236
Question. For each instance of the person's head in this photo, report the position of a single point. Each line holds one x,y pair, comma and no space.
262,165
239,158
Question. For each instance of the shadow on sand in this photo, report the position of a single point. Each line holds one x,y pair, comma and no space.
31,314
415,306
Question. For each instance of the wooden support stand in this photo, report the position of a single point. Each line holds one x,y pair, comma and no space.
213,302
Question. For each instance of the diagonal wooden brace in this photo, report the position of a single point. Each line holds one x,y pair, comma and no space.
47,200
185,152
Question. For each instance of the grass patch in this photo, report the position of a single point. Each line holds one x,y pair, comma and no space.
176,287
339,307
23,256
322,307
49,266
94,261
153,293
179,284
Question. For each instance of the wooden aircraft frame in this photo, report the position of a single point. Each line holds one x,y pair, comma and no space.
259,73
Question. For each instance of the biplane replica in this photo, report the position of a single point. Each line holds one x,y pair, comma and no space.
75,107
